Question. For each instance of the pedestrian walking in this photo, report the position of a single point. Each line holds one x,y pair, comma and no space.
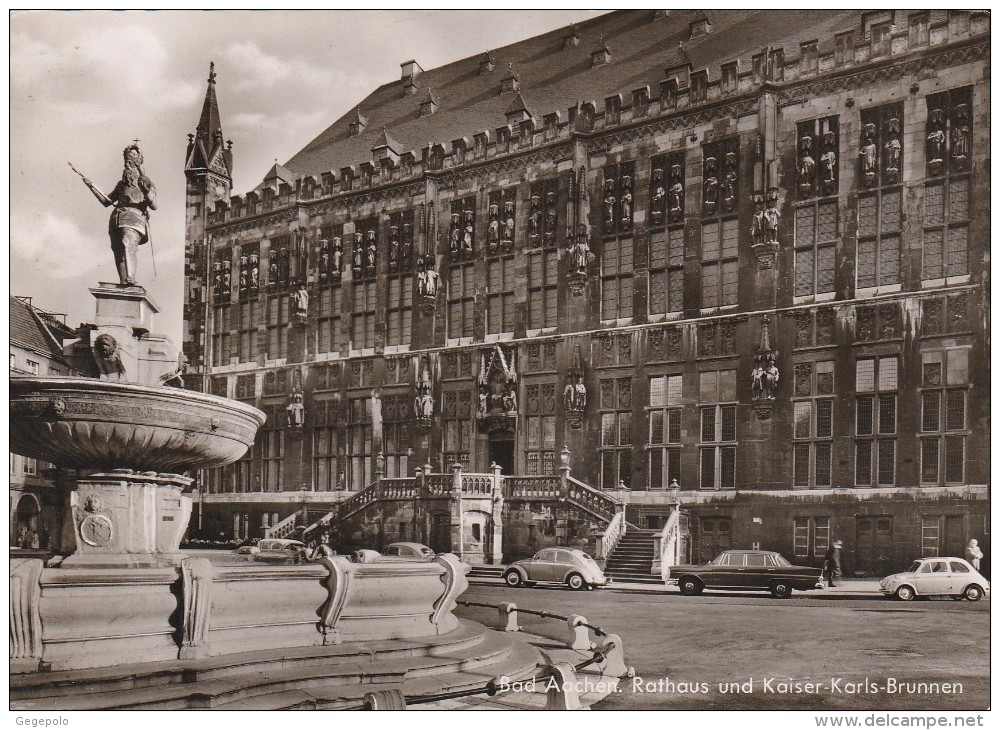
973,553
831,563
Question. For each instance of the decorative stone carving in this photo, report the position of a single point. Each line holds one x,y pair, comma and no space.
869,155
25,615
296,410
455,583
960,137
764,229
626,202
610,200
710,187
765,376
893,152
107,356
729,181
575,391
497,392
428,285
936,141
359,253
807,166
580,258
423,401
338,582
300,304
658,199
828,163
676,203
196,575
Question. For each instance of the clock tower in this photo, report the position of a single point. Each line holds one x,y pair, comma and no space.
208,168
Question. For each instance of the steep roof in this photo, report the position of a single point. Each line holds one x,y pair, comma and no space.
562,75
29,330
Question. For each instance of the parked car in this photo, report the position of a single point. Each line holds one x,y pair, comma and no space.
281,551
365,556
570,566
247,549
746,570
408,551
953,577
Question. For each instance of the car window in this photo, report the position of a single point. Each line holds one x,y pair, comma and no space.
959,568
545,555
428,552
392,551
939,566
565,558
915,568
756,561
925,568
723,559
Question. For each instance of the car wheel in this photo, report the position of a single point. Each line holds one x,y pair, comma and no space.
575,581
781,590
690,586
513,578
973,593
905,593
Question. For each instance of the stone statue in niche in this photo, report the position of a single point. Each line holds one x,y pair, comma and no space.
469,233
609,203
575,393
729,181
254,271
370,251
456,233
493,232
869,155
107,355
535,217
960,137
324,260
359,252
807,166
893,151
243,272
508,222
217,278
428,280
393,246
272,270
659,196
296,410
765,376
407,246
626,204
581,255
676,194
423,402
828,169
771,217
337,257
551,215
300,300
227,281
935,141
711,186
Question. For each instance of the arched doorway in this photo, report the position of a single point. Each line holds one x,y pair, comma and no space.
26,521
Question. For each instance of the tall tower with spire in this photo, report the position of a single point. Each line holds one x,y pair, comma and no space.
208,168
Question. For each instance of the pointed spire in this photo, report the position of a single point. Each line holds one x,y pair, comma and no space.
208,139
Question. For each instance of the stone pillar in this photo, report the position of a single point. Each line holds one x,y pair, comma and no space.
457,528
496,542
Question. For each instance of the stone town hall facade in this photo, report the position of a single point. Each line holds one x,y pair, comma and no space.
751,279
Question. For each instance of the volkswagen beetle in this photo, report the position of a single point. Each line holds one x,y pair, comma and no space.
569,566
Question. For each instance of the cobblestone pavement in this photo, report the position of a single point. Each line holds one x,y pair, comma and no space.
817,651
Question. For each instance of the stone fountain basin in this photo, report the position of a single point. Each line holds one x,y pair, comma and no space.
84,423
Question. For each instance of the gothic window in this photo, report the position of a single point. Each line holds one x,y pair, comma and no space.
943,424
365,249
717,449
461,300
945,315
616,279
500,295
249,314
719,263
665,401
876,385
399,310
363,309
456,416
396,414
877,323
880,211
400,248
326,472
881,36
222,276
330,337
278,306
248,271
501,228
919,29
616,432
543,289
666,271
617,196
272,452
946,192
540,428
812,450
359,443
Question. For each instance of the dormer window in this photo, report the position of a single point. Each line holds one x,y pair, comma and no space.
808,60
668,94
699,86
700,27
919,30
613,110
843,50
729,83
640,102
551,124
881,39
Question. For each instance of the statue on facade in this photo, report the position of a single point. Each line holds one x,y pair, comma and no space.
893,151
659,196
575,393
581,255
711,186
960,133
428,280
359,252
807,165
296,410
324,260
828,167
869,154
508,223
456,233
254,271
467,238
535,217
757,224
423,403
393,246
771,217
132,199
407,246
300,300
729,181
370,251
626,204
226,283
609,203
764,377
493,232
676,194
337,257
244,272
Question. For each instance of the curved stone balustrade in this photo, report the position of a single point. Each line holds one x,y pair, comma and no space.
90,617
533,487
84,423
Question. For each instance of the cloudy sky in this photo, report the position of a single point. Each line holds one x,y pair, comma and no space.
84,84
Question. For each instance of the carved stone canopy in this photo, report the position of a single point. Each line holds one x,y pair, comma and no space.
765,376
496,409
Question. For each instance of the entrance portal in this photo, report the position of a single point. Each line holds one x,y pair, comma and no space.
502,453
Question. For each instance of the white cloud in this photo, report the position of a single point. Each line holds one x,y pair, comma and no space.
262,70
56,248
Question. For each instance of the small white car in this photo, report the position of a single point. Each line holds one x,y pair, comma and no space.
569,566
953,577
280,551
407,551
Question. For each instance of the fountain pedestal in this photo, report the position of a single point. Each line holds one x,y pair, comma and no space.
125,519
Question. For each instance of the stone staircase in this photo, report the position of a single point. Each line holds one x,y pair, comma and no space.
632,559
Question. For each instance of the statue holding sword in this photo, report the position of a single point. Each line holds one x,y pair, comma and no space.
132,199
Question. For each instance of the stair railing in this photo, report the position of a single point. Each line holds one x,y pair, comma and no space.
607,542
667,545
592,500
286,526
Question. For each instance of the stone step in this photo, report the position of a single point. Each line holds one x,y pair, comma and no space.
294,683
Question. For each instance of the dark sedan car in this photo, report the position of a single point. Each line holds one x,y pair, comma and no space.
746,570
